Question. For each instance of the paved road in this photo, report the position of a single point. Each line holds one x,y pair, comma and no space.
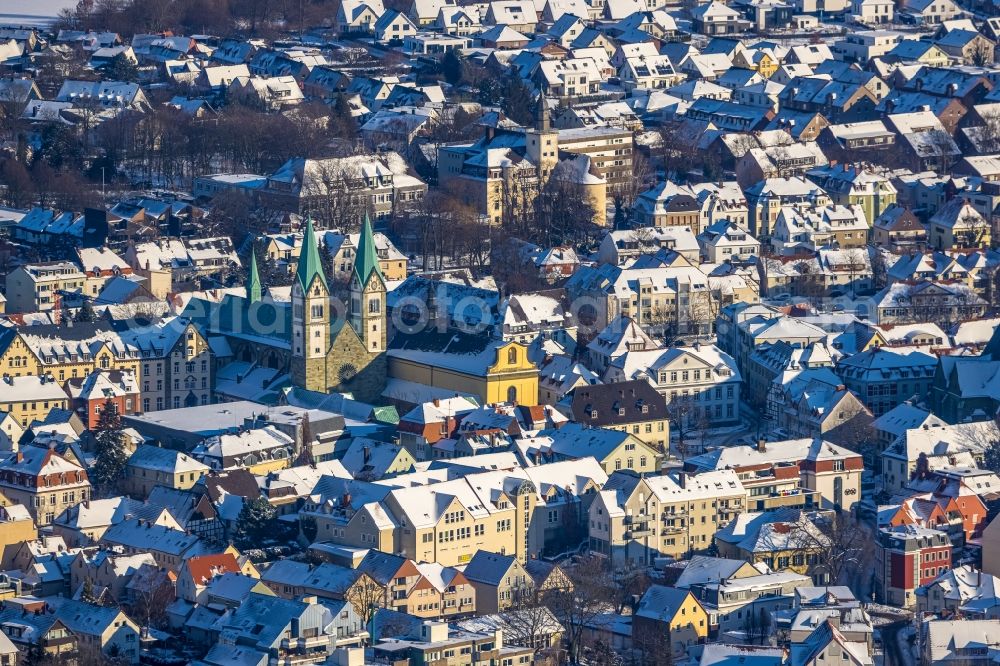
892,637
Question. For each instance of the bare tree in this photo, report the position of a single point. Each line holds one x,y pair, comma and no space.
988,133
152,592
940,149
980,53
687,420
366,596
839,546
335,195
564,211
624,194
653,647
530,623
576,609
631,582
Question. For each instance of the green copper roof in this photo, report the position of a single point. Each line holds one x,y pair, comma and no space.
386,414
309,264
367,258
253,284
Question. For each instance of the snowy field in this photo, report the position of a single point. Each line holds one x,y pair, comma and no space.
32,12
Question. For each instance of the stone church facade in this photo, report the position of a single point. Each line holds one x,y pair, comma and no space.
321,348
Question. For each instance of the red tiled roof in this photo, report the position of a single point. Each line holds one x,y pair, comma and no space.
206,567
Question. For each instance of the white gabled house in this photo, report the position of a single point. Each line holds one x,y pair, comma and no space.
393,27
359,16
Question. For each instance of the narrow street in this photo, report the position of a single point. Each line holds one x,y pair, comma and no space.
894,645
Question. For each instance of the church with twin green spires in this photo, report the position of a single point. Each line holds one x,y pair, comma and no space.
321,349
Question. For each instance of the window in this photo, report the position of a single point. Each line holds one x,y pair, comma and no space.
512,356
317,311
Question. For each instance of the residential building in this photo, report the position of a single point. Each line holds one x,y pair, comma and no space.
885,377
43,286
907,558
629,406
791,472
639,519
43,482
31,398
322,187
151,466
669,610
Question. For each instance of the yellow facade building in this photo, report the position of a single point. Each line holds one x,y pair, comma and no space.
494,370
669,610
30,398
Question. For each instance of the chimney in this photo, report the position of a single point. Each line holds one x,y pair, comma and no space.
761,445
437,402
682,479
367,450
345,501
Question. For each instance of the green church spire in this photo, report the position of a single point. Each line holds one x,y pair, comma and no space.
309,264
366,260
254,289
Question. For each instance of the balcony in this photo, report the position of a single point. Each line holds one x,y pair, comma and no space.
640,519
639,533
303,643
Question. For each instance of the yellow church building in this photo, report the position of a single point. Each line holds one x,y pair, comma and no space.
491,369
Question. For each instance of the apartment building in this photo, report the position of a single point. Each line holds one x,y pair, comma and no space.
704,377
446,515
326,188
423,589
638,519
727,241
259,450
500,581
171,359
151,466
795,472
618,247
284,249
609,149
903,303
437,644
730,601
16,527
906,558
716,201
934,445
768,197
613,449
668,292
843,227
42,481
850,185
742,328
861,46
91,394
631,406
39,287
884,377
30,398
669,609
